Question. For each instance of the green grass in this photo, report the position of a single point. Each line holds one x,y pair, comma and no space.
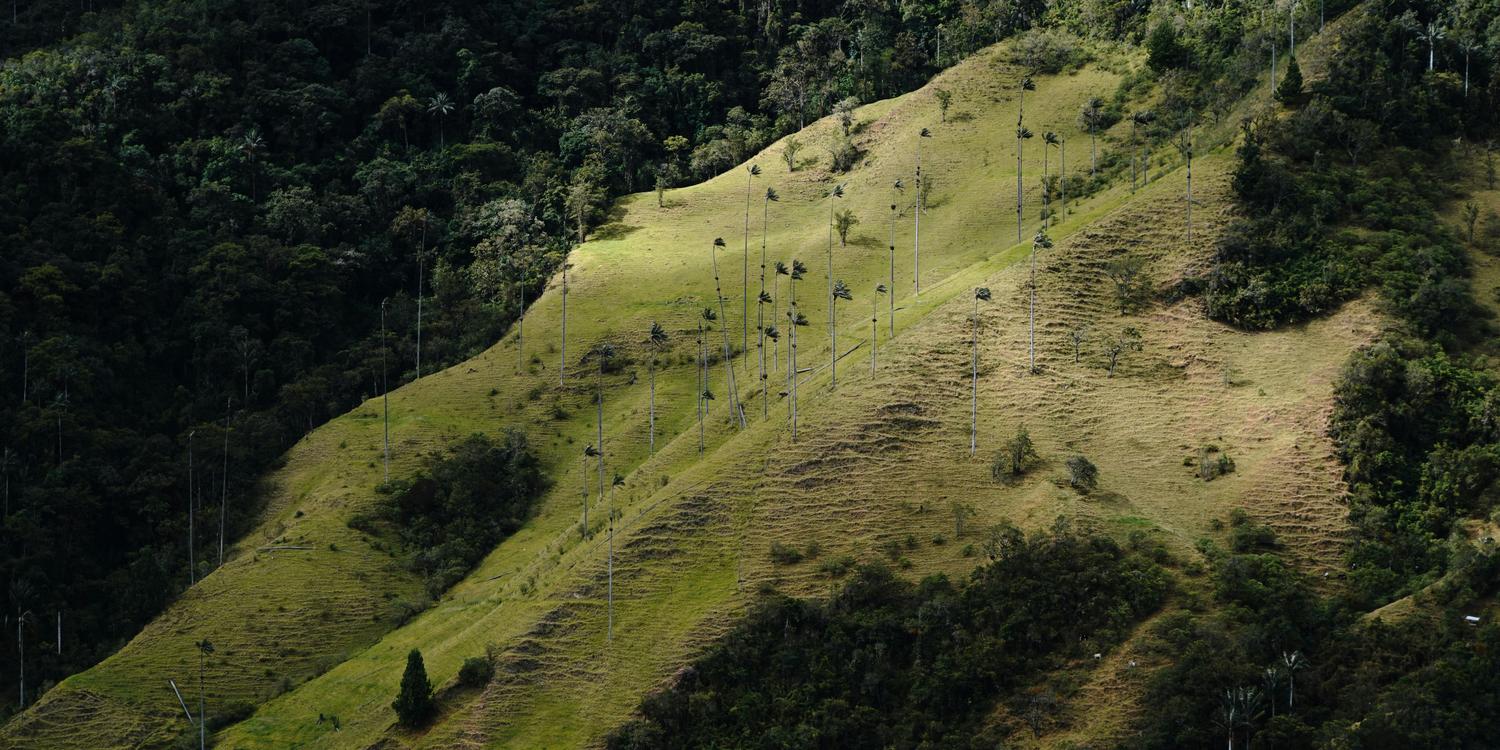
879,459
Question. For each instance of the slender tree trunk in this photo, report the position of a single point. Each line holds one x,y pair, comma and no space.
833,361
792,369
611,631
583,531
1190,191
651,449
916,237
745,276
1046,193
775,311
724,329
974,377
599,424
1032,324
760,312
224,491
891,312
874,332
702,385
562,360
1019,217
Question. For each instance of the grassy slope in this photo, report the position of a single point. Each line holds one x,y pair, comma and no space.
879,459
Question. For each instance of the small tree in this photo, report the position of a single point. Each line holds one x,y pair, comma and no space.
1083,475
789,151
843,222
961,513
1471,217
413,704
1129,340
1079,333
845,111
944,98
1015,458
1132,287
1289,91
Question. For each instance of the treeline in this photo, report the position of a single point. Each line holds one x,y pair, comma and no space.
885,663
222,216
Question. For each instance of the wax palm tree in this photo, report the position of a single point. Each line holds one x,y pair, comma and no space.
840,292
562,359
780,269
1049,139
799,270
252,145
441,106
1184,144
604,353
795,319
728,366
982,293
833,195
1432,33
874,315
589,451
1022,133
618,482
1271,678
1292,663
1025,85
751,172
916,237
656,340
205,647
1093,117
1137,119
1040,242
760,310
892,316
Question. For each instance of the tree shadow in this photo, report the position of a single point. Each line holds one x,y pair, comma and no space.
614,227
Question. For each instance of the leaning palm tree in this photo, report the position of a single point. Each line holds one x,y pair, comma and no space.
619,482
1049,139
874,316
1022,133
441,106
751,172
1025,85
840,292
982,293
892,316
1040,242
763,298
734,407
833,195
916,238
656,340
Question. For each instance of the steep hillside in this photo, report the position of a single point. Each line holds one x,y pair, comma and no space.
312,605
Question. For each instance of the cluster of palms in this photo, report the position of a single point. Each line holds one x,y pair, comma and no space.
1241,708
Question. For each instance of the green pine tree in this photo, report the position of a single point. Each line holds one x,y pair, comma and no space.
1290,90
414,703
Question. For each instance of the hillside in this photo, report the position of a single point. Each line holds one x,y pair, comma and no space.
310,604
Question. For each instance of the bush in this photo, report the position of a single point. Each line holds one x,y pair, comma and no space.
1015,458
1049,51
783,554
477,671
1083,475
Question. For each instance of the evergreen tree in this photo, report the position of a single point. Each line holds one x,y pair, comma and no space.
1290,90
414,703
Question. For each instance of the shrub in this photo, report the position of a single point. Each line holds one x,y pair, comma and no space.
783,554
477,671
1083,475
1015,458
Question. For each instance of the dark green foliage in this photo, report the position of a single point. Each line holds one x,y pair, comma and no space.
1018,455
461,505
889,664
1164,51
476,672
1083,475
413,705
1289,91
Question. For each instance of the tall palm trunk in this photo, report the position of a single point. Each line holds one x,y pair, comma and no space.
599,423
775,310
1062,172
792,367
734,404
974,380
833,344
760,308
745,274
891,313
583,531
874,332
702,385
651,448
562,360
610,633
916,237
1019,172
